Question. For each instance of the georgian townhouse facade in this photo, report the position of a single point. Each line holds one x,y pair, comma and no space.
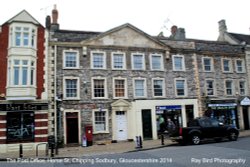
244,41
23,97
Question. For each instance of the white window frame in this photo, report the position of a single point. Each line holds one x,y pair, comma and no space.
77,59
163,87
211,64
185,87
232,89
214,87
125,88
105,87
243,66
106,121
143,60
230,65
32,38
245,87
113,62
182,62
161,61
92,59
144,87
64,88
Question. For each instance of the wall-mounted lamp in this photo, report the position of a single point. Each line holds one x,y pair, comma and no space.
167,55
84,51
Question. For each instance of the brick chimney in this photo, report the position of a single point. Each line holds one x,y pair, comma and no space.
54,25
177,33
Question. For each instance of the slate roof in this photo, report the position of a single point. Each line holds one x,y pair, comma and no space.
73,36
241,38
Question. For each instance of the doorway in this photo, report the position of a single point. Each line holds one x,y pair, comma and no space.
246,117
121,123
147,124
72,128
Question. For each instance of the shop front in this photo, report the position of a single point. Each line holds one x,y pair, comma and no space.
224,112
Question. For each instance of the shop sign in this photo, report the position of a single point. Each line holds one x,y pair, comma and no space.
225,106
23,107
160,109
245,102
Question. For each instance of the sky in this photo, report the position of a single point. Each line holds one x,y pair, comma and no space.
199,18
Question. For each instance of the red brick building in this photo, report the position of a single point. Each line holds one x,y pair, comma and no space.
23,92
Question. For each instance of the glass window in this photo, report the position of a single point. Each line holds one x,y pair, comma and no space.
178,62
20,126
118,61
119,88
139,88
22,36
227,65
240,66
242,86
207,62
158,88
210,87
156,62
100,122
138,62
71,59
99,88
71,88
229,87
180,87
98,61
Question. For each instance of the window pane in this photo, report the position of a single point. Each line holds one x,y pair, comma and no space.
158,88
98,60
139,88
26,39
70,59
242,87
239,65
99,90
229,90
71,88
138,62
119,88
178,63
226,64
210,88
100,120
180,87
16,75
118,61
207,64
25,76
18,38
156,62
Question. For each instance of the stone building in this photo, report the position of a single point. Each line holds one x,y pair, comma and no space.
23,83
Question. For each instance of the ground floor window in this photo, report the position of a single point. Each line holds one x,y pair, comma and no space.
20,126
100,121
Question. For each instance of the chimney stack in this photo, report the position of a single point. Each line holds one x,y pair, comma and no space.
177,33
222,30
54,25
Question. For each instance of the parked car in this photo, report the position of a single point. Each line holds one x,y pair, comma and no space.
204,128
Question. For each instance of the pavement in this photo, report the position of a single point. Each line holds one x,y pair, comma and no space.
96,149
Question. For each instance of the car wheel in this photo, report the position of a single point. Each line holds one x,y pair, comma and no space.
195,139
233,136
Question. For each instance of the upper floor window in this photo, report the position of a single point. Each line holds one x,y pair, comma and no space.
178,63
180,87
118,61
240,66
98,60
71,88
227,65
22,35
158,87
140,87
99,88
138,61
229,87
120,88
207,64
156,62
210,87
71,59
242,87
21,72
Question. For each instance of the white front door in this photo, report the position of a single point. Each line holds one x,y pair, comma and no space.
121,125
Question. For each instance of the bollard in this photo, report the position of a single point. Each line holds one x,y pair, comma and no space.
56,149
20,151
52,154
140,142
162,139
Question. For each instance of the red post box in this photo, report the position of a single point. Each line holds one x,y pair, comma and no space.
89,134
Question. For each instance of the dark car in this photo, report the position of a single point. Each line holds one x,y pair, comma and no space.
204,128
